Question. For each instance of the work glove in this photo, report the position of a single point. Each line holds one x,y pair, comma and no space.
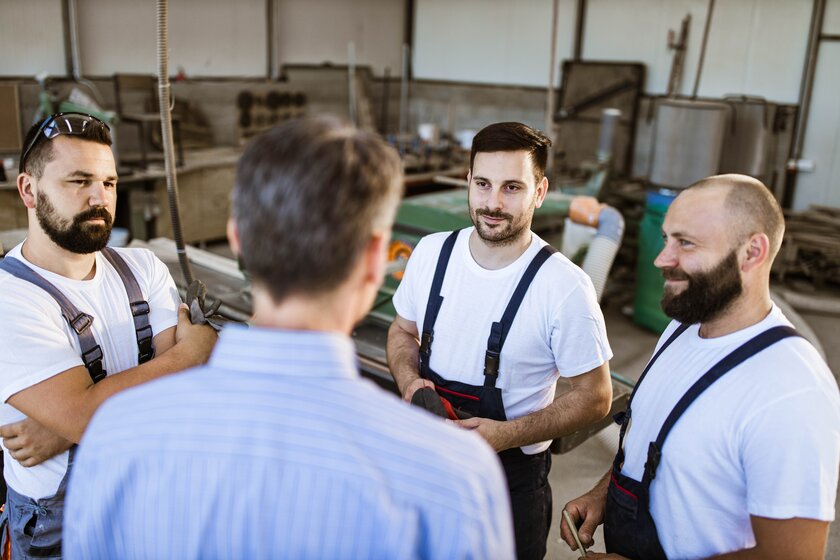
201,311
428,399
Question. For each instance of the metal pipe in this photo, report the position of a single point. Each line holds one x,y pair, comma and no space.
403,128
351,82
166,136
579,29
386,92
74,40
805,90
808,73
549,101
67,29
703,48
269,39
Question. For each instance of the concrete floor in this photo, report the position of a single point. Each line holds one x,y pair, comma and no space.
576,472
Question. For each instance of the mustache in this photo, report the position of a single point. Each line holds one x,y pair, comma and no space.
97,212
492,213
674,273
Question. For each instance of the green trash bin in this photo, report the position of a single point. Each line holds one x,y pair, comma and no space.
649,282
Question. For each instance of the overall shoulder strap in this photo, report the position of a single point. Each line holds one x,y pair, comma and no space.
500,329
435,299
139,306
730,361
623,417
79,321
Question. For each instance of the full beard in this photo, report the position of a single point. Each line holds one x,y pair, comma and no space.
76,235
707,295
505,233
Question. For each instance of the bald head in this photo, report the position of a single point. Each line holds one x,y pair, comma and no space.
750,207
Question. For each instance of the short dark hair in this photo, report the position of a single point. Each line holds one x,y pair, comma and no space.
513,137
308,196
41,152
752,207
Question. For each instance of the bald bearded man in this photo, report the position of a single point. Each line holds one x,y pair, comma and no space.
734,443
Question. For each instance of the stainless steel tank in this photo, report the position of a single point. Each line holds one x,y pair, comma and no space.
687,141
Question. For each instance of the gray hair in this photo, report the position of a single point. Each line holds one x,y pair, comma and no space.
308,196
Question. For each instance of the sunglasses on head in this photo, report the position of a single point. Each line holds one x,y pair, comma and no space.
72,124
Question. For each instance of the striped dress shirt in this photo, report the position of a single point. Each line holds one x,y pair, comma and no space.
278,449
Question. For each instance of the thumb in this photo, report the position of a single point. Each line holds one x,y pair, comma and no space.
183,313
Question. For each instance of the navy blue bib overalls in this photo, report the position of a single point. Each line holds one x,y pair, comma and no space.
629,528
527,475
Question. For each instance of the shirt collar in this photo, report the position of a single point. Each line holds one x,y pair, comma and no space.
286,352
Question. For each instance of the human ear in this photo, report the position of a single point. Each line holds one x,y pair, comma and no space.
233,236
757,251
24,185
375,257
542,189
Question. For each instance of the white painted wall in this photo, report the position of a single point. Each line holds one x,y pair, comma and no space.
206,37
490,41
317,31
31,38
822,135
755,47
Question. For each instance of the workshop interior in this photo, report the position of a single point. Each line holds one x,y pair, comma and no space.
640,99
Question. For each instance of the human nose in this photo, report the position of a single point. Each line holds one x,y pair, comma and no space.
666,257
99,194
494,199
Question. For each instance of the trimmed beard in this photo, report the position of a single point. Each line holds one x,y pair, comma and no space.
76,235
707,294
505,233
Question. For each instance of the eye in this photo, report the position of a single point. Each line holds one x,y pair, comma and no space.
685,243
481,184
110,185
513,188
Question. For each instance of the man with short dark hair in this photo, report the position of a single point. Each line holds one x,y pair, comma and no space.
276,448
730,445
491,316
78,321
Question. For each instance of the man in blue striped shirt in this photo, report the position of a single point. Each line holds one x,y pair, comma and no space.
277,448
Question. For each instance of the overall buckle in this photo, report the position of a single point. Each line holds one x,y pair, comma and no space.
653,458
491,363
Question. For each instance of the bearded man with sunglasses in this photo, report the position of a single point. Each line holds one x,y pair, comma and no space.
124,326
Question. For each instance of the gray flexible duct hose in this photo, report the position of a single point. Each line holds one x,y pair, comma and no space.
166,135
601,253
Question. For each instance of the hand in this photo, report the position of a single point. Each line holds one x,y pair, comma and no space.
198,340
587,512
492,431
29,443
418,383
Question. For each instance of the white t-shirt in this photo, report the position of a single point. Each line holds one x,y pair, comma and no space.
763,440
36,342
558,330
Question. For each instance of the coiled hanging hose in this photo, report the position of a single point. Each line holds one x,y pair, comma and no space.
164,103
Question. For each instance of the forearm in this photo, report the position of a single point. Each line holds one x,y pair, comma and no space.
566,414
403,355
74,419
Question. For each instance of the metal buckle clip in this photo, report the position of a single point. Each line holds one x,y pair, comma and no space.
81,323
491,363
139,308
